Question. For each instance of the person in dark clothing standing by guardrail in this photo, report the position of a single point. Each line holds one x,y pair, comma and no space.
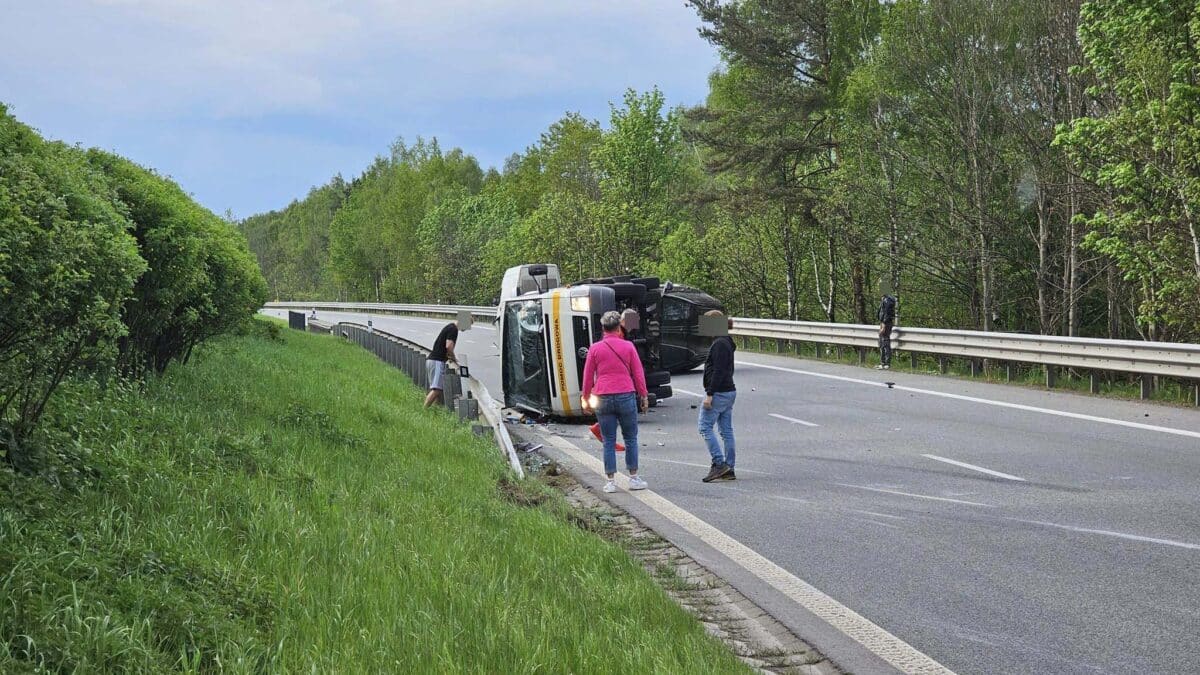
717,409
887,320
435,365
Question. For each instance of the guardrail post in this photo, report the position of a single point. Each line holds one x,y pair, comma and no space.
912,360
941,364
862,355
467,408
1094,382
450,389
1147,386
1051,376
1008,371
818,350
1196,393
778,346
974,367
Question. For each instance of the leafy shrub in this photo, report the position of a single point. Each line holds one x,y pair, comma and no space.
67,264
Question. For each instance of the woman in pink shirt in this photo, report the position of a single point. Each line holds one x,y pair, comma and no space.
614,385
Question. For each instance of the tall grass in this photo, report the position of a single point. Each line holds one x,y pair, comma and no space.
287,505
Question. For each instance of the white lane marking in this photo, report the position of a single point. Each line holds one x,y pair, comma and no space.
901,655
1119,535
987,401
972,467
685,391
793,420
879,515
699,466
910,494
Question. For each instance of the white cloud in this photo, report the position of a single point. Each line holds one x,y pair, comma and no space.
98,71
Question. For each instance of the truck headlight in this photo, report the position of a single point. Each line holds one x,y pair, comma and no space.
581,303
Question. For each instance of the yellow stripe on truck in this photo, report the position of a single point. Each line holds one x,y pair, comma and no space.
559,363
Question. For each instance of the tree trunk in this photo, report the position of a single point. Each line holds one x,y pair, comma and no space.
831,270
1043,271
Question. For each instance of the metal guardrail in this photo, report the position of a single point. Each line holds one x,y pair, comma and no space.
1178,360
1165,359
478,313
409,357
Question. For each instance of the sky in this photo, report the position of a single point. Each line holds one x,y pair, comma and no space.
248,104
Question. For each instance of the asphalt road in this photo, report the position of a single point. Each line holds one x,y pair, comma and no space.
997,529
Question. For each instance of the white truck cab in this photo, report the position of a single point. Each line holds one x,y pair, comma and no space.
546,330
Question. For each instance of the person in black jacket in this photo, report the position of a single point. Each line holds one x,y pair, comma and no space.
887,319
719,396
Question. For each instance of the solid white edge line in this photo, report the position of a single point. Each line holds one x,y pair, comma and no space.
1109,533
912,494
972,467
685,391
901,655
986,401
793,420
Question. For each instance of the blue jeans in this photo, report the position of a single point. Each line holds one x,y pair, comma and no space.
619,409
721,414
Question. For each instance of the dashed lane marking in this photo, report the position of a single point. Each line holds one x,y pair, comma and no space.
793,420
972,467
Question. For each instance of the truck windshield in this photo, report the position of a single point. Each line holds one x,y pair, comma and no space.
526,382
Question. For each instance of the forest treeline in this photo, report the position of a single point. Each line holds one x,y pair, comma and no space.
106,269
1028,165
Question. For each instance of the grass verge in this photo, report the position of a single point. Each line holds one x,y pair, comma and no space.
285,504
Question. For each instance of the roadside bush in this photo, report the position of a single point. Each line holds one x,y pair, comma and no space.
202,280
67,264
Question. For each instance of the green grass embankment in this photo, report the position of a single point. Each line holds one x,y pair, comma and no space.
286,505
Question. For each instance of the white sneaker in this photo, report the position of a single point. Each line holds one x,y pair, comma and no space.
610,486
636,483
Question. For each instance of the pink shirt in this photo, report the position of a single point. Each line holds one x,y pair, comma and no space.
609,365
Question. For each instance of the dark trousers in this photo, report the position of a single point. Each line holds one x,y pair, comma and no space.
885,345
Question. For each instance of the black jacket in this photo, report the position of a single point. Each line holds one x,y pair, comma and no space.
887,310
718,367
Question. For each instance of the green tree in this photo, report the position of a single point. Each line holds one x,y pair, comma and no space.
1144,152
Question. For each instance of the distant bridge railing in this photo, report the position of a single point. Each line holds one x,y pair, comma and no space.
1148,359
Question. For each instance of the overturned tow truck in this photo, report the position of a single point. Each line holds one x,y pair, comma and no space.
546,330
